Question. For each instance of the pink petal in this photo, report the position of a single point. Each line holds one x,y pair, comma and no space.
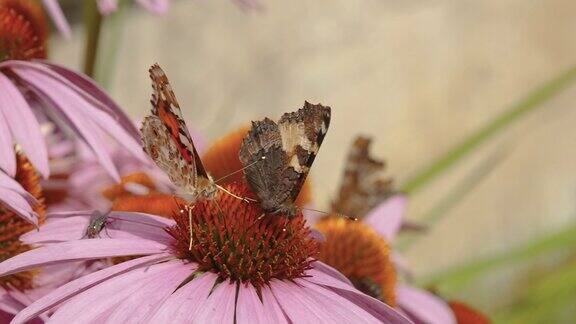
320,266
75,287
8,160
304,303
107,7
78,250
23,125
111,294
272,309
375,307
219,308
250,308
93,94
71,107
58,18
155,6
121,225
386,218
18,204
8,304
185,303
424,306
144,302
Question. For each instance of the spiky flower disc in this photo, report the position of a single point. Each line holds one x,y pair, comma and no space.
23,30
234,239
361,255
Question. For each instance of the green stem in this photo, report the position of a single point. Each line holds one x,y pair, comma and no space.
529,103
453,280
93,26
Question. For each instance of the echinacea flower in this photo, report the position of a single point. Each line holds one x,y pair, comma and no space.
362,251
62,95
13,193
23,32
227,264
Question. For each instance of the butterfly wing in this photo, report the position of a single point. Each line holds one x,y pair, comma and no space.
289,148
167,140
363,186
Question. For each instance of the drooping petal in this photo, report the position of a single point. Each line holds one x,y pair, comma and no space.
92,93
7,154
219,307
386,218
378,309
185,303
58,18
18,204
305,305
77,286
250,308
77,251
272,309
321,266
70,106
23,125
88,306
144,302
107,7
155,6
424,306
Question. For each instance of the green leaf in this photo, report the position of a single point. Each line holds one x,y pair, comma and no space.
533,100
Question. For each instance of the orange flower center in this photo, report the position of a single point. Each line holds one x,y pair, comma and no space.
235,239
12,226
361,255
23,30
466,314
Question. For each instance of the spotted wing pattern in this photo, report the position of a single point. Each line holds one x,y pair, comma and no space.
363,186
289,148
167,141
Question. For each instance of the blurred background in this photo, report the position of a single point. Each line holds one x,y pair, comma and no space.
416,75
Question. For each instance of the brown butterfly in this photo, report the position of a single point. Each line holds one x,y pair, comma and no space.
363,186
288,149
168,142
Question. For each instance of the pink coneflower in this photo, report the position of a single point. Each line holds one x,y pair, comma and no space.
232,267
361,250
71,100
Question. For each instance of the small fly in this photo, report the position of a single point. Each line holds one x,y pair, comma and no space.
97,223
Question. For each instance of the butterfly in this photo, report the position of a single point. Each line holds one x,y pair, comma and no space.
168,142
287,149
363,186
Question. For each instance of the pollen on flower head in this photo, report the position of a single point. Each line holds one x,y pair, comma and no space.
361,255
23,30
12,225
234,239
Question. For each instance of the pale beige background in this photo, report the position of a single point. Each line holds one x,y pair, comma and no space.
417,75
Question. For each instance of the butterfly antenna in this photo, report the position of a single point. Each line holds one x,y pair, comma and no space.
326,213
240,170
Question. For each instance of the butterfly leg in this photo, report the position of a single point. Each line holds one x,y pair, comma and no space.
244,199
